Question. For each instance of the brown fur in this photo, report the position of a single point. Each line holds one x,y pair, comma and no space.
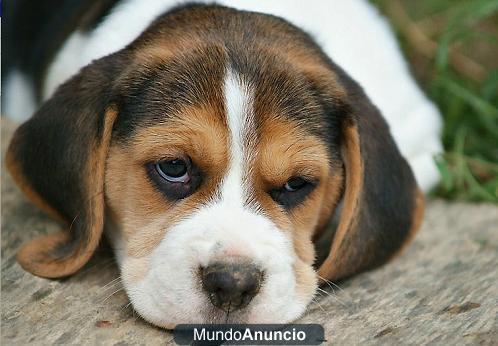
354,170
142,211
285,151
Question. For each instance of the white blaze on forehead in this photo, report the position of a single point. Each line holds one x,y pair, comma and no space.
239,113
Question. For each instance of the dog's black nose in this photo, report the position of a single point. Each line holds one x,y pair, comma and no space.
231,286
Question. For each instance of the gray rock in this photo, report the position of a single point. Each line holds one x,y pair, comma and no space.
442,290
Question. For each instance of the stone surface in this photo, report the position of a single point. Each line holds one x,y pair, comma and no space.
442,290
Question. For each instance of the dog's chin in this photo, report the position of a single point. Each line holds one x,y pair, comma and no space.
168,307
211,315
160,308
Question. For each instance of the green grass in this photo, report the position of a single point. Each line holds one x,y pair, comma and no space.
453,49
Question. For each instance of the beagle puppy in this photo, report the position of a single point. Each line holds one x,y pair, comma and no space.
213,145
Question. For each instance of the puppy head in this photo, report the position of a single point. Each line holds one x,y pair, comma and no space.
215,153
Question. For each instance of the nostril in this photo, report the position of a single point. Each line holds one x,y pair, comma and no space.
247,296
231,284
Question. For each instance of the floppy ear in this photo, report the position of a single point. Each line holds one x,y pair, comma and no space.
382,205
57,158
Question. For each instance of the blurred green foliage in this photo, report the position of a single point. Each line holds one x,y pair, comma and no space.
453,49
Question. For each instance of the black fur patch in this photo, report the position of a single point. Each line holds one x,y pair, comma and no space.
34,31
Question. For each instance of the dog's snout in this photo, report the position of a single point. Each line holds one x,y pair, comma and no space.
231,286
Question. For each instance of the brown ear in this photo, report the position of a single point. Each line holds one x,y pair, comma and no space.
382,205
57,158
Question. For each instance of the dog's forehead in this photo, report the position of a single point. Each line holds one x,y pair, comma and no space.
160,93
159,90
176,65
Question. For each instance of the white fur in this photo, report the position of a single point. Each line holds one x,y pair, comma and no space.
238,109
123,25
67,63
171,292
18,102
351,32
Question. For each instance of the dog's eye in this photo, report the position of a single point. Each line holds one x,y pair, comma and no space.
294,184
294,191
176,179
174,171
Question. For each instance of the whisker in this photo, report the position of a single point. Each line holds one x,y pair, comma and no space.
111,287
113,293
313,300
332,295
126,306
112,282
326,293
330,283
